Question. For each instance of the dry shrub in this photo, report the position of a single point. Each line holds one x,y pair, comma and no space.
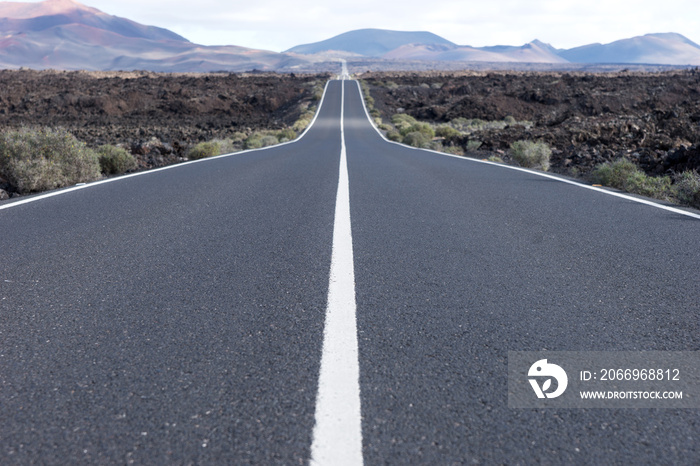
33,160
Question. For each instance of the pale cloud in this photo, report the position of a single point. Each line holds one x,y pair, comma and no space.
280,24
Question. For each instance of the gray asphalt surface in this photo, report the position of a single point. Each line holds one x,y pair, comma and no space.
458,263
177,317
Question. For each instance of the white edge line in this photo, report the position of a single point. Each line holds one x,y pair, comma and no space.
337,434
525,170
80,186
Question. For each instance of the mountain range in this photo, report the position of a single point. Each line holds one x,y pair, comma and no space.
658,49
64,34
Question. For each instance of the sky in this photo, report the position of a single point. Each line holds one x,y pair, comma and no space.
278,25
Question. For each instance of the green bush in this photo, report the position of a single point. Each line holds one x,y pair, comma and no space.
269,140
416,139
614,174
365,87
238,137
403,117
687,187
254,141
531,154
115,160
401,121
394,136
625,175
639,182
204,150
37,160
477,123
259,140
287,134
424,128
228,146
318,91
301,124
447,132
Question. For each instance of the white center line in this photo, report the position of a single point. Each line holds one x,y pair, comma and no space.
337,436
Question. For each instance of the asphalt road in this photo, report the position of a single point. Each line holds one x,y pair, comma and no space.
177,317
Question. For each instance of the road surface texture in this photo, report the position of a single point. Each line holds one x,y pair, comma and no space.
177,317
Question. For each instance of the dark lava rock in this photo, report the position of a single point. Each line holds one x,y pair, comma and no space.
587,119
132,109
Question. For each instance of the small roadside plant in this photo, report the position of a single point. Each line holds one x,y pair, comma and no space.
287,134
317,88
269,140
416,139
227,146
531,154
369,100
204,150
625,175
258,140
447,132
639,182
394,136
115,160
614,174
364,85
254,141
34,160
304,119
423,128
687,186
402,121
238,137
301,124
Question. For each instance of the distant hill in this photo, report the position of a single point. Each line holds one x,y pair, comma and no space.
64,34
370,42
57,15
403,45
534,52
660,49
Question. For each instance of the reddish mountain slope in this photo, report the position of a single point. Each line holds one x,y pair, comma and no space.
64,34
